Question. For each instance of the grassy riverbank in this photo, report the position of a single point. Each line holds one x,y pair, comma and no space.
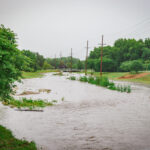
37,74
116,75
9,142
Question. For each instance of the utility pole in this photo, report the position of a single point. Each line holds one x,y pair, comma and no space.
101,63
101,57
86,58
61,62
71,60
55,61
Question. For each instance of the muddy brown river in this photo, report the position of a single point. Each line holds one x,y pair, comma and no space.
86,117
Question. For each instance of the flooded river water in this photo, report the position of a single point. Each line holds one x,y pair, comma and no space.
87,117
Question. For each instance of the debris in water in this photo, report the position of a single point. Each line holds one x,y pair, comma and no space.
45,90
29,93
37,110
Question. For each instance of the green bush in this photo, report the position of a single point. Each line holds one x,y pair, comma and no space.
132,66
136,65
91,80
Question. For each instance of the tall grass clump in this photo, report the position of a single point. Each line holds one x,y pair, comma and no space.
72,78
84,79
91,80
112,86
124,88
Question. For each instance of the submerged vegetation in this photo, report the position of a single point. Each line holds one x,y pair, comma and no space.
104,82
9,142
58,73
72,78
27,103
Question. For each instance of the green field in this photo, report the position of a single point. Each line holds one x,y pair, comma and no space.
116,75
37,74
143,80
9,142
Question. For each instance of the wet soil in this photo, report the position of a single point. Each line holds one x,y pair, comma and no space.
89,117
134,76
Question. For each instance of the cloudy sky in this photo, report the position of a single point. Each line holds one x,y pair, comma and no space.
55,26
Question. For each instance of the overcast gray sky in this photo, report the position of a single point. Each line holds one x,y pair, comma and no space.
53,26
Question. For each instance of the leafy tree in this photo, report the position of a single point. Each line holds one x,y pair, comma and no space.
147,42
39,61
35,60
32,59
126,66
136,65
47,66
10,62
79,65
146,65
146,54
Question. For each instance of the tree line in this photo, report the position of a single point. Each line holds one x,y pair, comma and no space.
124,55
35,61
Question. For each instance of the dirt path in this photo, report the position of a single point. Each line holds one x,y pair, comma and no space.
89,118
132,76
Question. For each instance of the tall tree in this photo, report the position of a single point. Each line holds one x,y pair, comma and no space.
9,62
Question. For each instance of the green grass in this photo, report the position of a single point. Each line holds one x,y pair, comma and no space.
37,74
116,75
28,75
9,142
27,103
143,80
111,75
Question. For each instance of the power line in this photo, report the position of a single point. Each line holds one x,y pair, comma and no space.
137,25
